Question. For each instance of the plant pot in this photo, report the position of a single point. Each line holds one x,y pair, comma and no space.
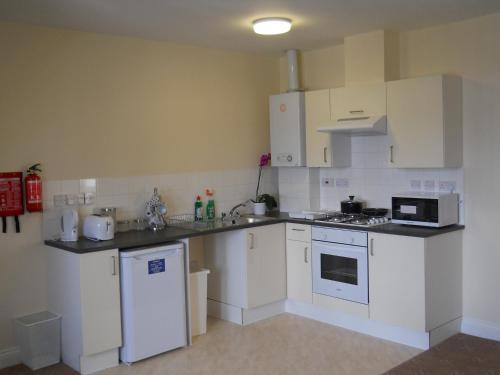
259,208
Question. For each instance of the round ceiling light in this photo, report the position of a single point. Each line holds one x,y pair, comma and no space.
272,25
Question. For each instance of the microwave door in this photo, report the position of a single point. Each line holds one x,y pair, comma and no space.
415,210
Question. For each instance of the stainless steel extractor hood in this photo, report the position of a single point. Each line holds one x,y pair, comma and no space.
362,125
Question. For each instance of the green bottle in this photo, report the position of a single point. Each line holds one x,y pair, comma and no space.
198,209
210,209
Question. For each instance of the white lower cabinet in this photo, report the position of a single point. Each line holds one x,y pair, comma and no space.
247,267
415,282
298,267
85,290
298,263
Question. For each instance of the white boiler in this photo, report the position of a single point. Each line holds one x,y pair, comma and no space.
287,130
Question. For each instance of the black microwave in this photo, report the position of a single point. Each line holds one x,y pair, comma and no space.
425,209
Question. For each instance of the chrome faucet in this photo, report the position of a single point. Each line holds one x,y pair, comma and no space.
234,211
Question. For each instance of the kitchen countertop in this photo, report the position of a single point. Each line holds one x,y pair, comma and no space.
133,239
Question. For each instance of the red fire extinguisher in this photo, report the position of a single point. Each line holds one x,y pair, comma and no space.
33,189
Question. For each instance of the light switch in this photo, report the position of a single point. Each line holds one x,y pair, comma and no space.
327,181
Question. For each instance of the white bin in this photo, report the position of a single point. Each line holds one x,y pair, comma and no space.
39,338
198,300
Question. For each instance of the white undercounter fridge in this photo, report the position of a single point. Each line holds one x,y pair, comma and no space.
153,292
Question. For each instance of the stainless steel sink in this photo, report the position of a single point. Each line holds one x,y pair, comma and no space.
245,220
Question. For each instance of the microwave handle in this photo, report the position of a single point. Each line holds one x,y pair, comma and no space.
371,247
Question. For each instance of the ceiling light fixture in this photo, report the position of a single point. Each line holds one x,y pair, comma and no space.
272,25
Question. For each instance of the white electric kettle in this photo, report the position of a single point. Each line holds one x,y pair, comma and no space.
69,225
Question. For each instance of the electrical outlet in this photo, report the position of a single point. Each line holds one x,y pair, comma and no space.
429,185
416,184
327,181
59,200
448,186
72,199
89,199
81,199
342,183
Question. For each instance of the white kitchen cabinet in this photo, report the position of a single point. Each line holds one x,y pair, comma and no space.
247,267
85,290
415,282
298,263
358,101
425,122
322,149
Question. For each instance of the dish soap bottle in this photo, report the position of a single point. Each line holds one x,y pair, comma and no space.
198,209
210,204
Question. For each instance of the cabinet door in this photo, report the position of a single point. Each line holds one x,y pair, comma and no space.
355,101
266,265
100,299
415,119
298,271
397,280
317,144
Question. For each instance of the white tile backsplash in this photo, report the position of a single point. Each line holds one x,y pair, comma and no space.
370,178
178,190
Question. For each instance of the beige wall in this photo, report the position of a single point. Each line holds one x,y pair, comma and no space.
91,105
319,69
471,49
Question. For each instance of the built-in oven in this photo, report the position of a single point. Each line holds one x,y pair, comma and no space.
340,263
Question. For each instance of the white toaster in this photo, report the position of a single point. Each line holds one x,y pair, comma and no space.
99,227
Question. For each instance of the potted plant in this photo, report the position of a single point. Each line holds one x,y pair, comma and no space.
263,202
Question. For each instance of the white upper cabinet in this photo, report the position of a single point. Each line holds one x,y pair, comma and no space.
358,101
425,122
323,149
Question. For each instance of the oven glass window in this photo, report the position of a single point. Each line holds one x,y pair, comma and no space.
340,269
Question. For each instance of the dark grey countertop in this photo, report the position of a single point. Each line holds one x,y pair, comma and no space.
133,239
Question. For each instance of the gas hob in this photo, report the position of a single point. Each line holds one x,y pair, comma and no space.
353,219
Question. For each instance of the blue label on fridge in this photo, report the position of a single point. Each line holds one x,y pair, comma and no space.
156,266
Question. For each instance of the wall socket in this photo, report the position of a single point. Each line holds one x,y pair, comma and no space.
415,184
447,186
327,181
342,183
429,185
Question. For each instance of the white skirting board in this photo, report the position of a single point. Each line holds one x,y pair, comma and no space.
244,316
369,327
10,357
481,328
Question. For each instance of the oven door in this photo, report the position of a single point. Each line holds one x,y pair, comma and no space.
340,271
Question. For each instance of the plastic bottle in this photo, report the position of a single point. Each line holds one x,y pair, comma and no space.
210,205
198,209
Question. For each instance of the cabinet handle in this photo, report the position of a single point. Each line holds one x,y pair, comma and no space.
298,230
114,258
324,154
371,247
391,149
357,111
306,260
251,241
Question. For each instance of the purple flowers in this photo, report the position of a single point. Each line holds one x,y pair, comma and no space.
264,160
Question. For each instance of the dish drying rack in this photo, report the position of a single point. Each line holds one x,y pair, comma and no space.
180,219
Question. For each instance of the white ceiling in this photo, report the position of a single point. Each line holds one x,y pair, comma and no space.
227,23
